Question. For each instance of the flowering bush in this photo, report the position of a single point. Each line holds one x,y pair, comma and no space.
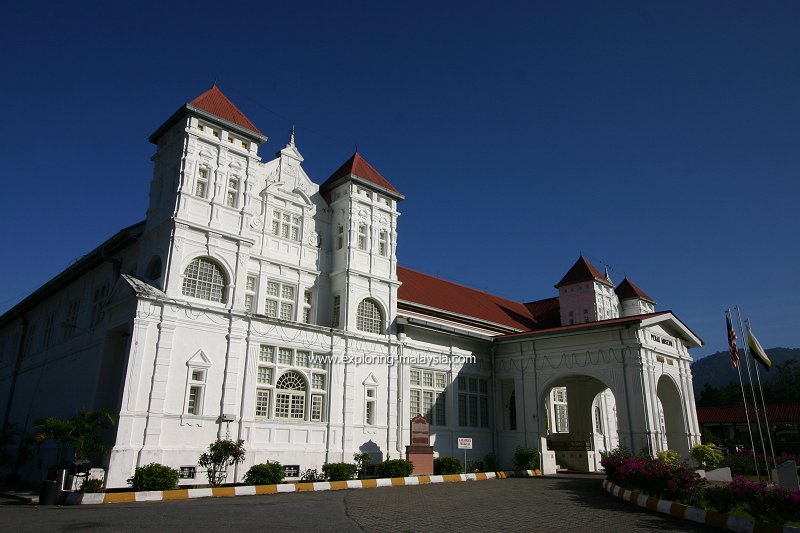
653,477
769,504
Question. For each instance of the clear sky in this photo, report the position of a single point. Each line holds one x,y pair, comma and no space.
657,138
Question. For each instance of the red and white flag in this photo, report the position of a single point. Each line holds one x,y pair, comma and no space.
734,351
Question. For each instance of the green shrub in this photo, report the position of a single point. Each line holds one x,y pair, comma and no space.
269,473
311,474
720,498
154,477
363,461
490,463
394,468
339,471
91,485
526,458
669,457
446,465
708,456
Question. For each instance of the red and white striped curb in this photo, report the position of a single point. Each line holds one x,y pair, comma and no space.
77,498
739,524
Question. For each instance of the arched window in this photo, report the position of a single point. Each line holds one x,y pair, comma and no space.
204,279
290,396
369,317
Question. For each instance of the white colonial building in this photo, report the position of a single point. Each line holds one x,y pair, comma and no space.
252,303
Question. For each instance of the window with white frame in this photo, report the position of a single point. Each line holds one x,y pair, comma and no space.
204,279
337,310
370,398
383,242
598,420
280,300
290,384
290,396
560,411
427,396
473,402
369,317
232,196
201,185
196,390
307,296
250,293
362,236
285,225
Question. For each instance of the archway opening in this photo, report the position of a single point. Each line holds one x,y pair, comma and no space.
671,424
581,422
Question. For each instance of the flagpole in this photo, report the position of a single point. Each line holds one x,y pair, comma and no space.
744,396
763,403
755,402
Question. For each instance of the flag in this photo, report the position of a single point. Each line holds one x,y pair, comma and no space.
755,348
734,351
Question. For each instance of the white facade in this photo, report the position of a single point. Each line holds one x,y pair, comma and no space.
253,303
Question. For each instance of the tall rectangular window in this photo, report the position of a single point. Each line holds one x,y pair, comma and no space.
201,185
427,395
262,403
362,236
195,390
232,196
250,293
280,300
98,305
560,409
307,306
337,310
71,319
473,402
383,243
339,237
370,395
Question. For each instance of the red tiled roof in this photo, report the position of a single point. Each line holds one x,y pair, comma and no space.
581,271
735,413
547,313
214,102
430,291
583,325
358,166
626,289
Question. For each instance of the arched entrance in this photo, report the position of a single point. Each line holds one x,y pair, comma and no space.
674,429
580,421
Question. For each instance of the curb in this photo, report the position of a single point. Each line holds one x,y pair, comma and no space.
89,498
739,524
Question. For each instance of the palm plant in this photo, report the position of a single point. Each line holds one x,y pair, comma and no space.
77,432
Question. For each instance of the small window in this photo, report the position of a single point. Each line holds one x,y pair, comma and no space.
266,354
262,403
285,225
339,237
280,300
307,295
201,127
250,293
187,472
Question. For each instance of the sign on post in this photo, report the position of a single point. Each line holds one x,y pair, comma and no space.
465,443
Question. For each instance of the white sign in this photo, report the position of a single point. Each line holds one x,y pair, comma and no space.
464,443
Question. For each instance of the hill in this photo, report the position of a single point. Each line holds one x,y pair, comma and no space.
716,368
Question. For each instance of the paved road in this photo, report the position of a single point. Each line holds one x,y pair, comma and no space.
527,504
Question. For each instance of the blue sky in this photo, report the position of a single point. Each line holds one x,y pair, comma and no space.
657,138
